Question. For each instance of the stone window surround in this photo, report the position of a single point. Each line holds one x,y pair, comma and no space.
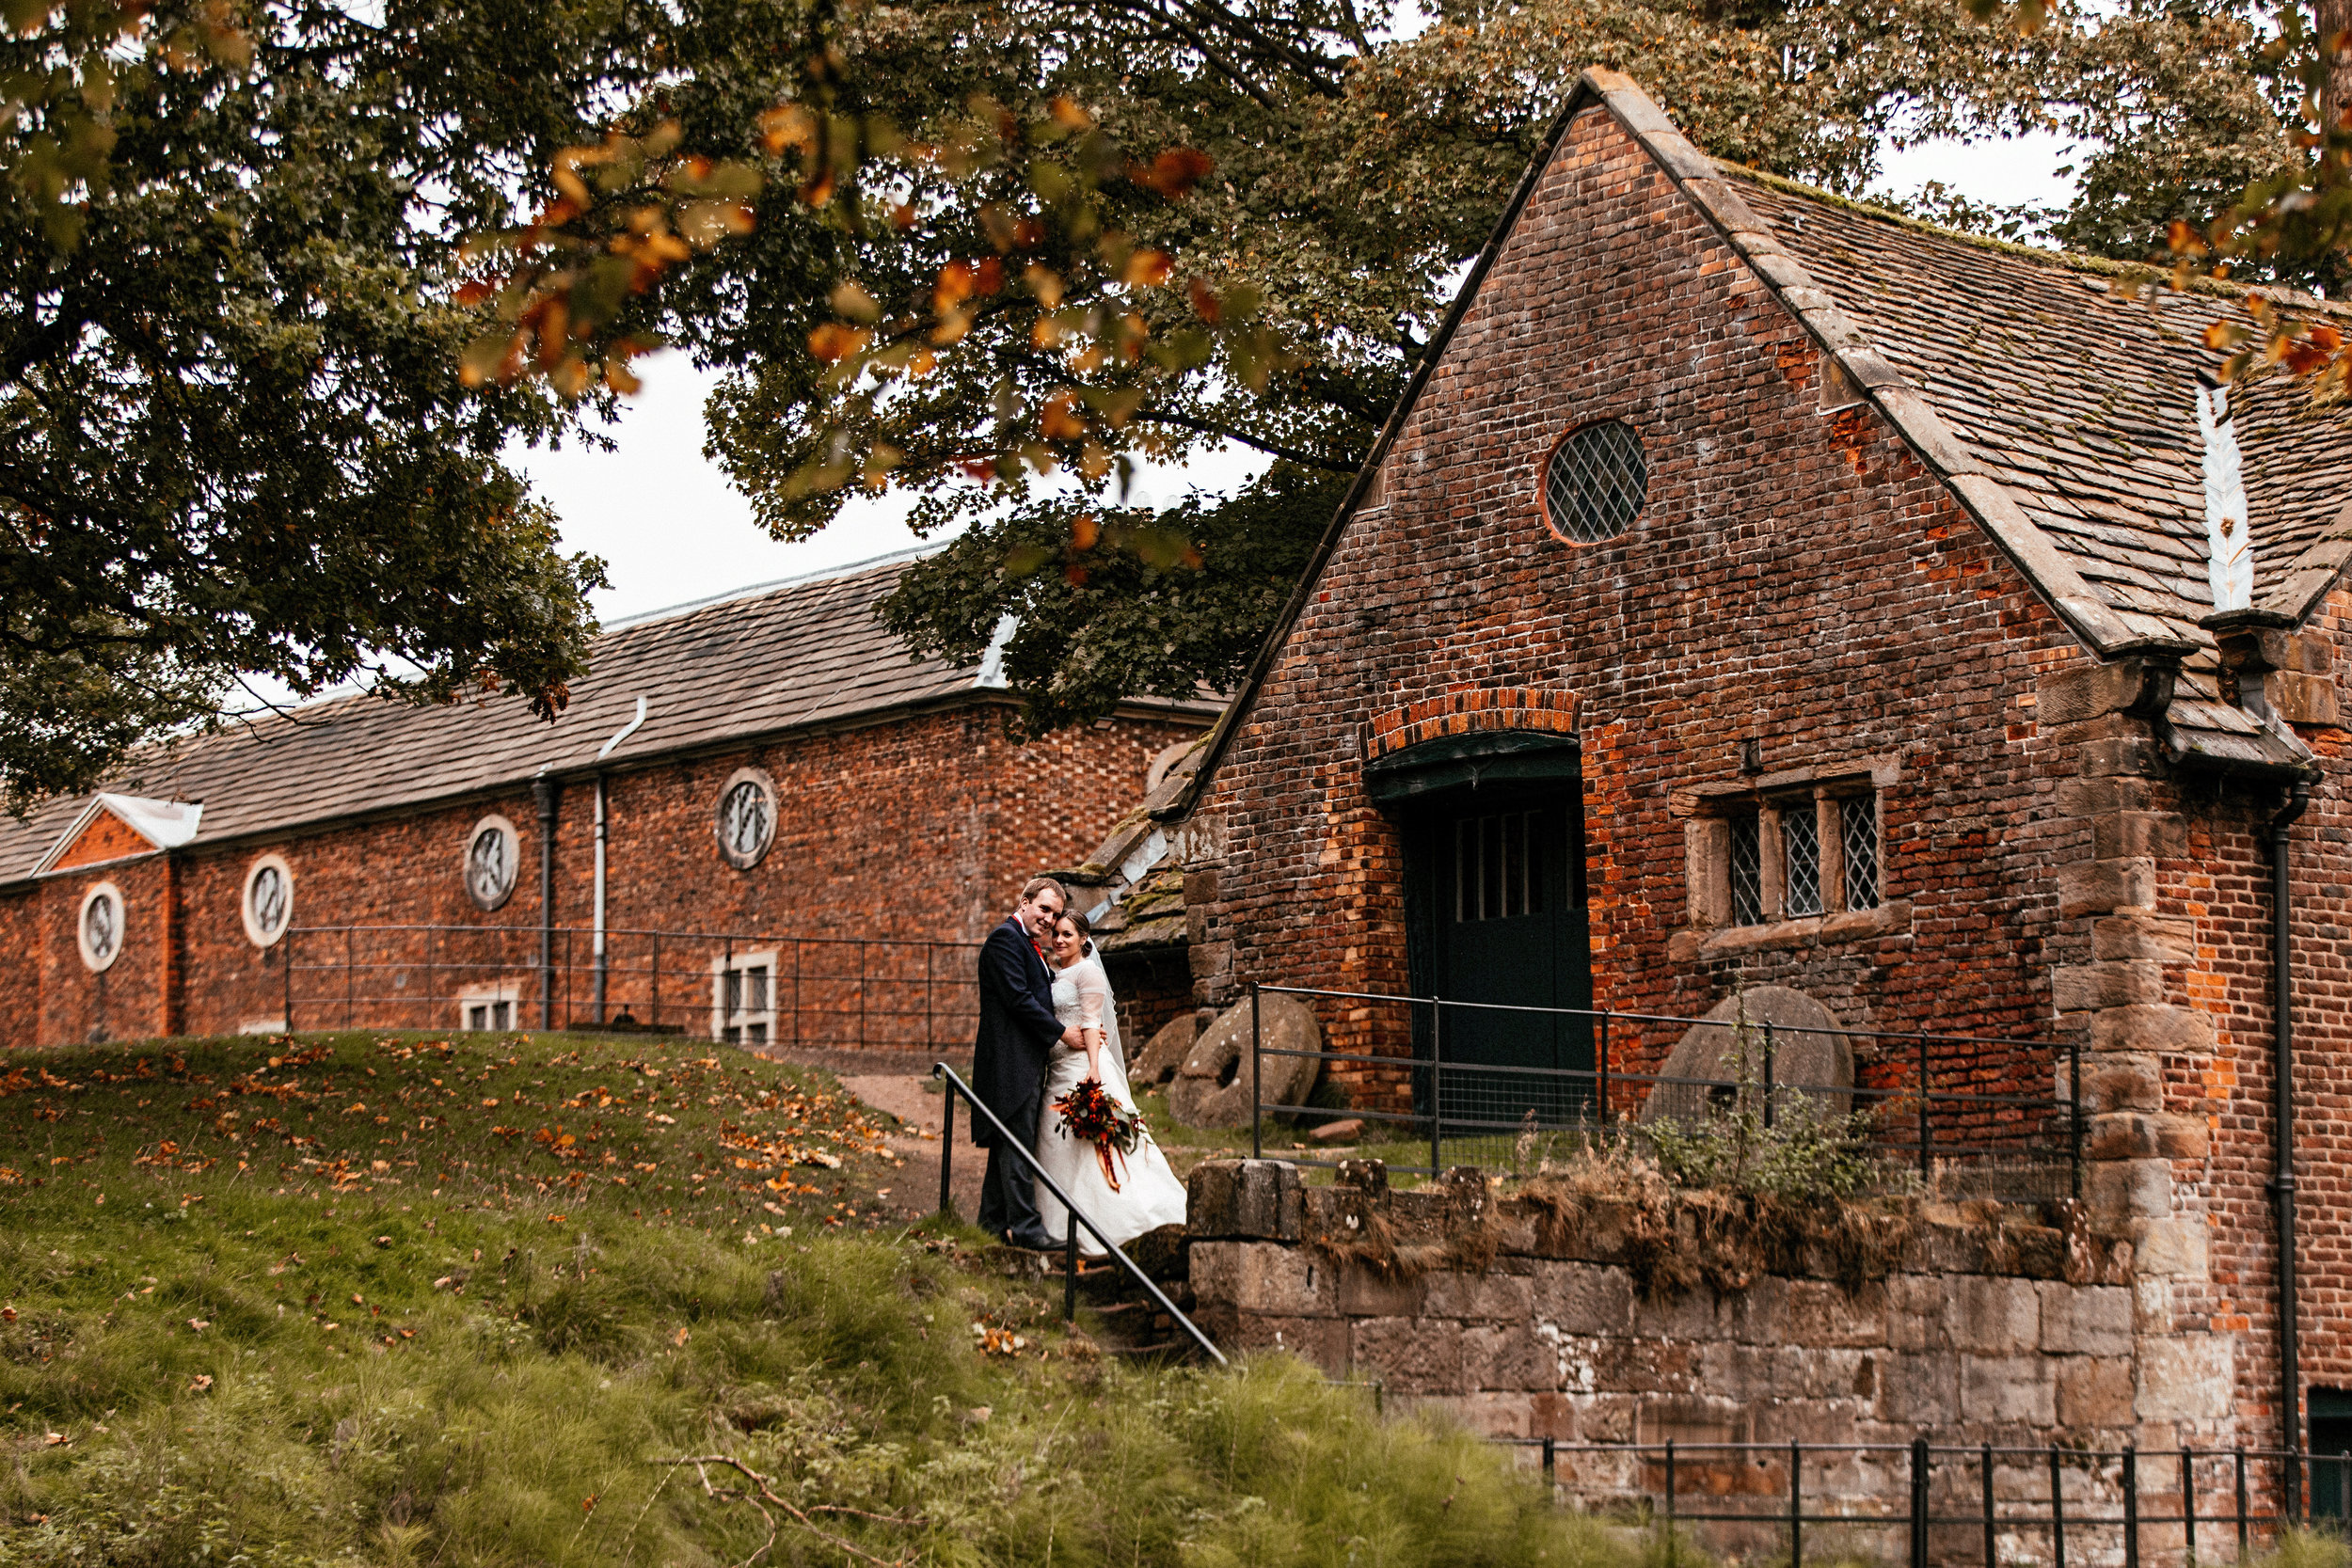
742,1017
489,995
96,962
1706,810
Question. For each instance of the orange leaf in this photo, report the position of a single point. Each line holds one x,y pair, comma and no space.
1173,172
956,283
1204,300
1148,268
1084,530
833,342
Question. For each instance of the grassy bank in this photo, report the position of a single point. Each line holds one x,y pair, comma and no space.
318,1342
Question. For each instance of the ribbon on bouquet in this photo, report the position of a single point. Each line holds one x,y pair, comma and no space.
1088,1112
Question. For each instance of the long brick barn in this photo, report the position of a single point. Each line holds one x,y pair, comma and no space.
783,827
1754,592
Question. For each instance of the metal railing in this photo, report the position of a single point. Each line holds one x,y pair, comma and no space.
954,1087
1896,1091
744,986
1987,1504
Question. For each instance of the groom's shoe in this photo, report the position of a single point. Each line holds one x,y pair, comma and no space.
1037,1240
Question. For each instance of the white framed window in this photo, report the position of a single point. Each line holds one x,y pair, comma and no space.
490,1008
493,861
744,998
267,903
98,927
746,817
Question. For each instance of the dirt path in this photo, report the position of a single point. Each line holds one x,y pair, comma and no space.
915,1100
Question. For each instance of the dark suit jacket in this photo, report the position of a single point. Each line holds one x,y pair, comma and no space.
1017,1031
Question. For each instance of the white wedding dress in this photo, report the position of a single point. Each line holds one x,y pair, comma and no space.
1149,1194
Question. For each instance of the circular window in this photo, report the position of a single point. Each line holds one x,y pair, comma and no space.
1596,484
99,931
491,860
268,907
747,817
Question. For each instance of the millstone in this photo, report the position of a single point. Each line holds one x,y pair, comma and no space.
1213,1088
1803,1055
1164,1052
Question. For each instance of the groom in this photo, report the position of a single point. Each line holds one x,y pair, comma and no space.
1017,1031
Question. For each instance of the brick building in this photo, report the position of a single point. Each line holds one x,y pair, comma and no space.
1753,589
788,819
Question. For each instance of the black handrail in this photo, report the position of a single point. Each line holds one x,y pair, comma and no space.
947,1152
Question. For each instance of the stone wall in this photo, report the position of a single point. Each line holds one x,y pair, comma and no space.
2003,1325
921,827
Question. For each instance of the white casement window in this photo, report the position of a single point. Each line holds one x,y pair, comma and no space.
490,1008
744,998
1797,852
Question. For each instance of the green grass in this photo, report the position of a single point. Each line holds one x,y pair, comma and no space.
472,1346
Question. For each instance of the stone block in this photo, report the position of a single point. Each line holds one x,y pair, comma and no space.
2123,834
2086,1320
2096,796
2094,1392
2117,1192
1689,1316
1506,1356
1409,1355
1915,1313
1368,1292
2141,934
1824,1316
2302,699
2122,1083
1264,1277
1268,1199
1583,1298
2015,1390
2148,1027
2081,988
2091,691
1592,1418
1918,1389
1321,1340
2101,887
1991,1316
1478,1297
1740,1372
2137,1136
1758,1315
2171,1246
2183,1378
1801,1373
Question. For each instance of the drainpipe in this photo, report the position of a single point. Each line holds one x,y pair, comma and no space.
543,792
602,752
2283,1178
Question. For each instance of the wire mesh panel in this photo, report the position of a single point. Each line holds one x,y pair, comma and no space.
1597,482
1858,832
1800,855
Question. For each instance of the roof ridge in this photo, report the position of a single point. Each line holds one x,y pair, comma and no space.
759,590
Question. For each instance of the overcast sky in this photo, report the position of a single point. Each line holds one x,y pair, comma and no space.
670,529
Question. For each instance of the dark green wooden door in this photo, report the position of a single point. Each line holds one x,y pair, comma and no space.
1508,923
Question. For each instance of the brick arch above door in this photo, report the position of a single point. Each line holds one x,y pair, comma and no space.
1469,710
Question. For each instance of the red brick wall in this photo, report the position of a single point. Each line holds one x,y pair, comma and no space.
920,829
1798,579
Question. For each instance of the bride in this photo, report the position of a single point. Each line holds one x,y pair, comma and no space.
1148,1194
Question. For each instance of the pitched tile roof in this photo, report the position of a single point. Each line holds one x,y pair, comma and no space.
787,655
2080,401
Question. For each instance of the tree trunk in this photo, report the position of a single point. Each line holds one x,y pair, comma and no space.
2332,19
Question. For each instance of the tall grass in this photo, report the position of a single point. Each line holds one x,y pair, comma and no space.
206,1370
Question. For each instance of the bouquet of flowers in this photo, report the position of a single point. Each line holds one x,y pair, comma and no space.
1088,1112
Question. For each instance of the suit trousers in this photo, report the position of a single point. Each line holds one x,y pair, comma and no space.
1009,1191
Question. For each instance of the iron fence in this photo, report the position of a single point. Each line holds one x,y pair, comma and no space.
1987,1504
747,987
1924,1099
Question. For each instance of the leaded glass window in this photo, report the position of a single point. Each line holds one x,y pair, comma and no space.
747,817
1858,832
102,927
491,862
1747,873
1597,483
1800,852
268,900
